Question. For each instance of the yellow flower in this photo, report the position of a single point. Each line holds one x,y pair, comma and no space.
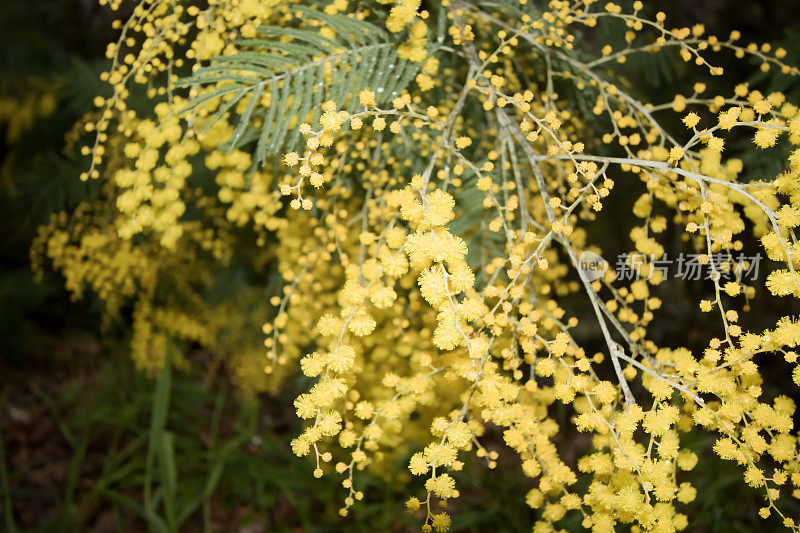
367,98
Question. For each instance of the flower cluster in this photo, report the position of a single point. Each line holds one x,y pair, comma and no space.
423,248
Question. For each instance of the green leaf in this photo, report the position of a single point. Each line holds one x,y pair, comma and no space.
152,519
291,64
168,476
158,423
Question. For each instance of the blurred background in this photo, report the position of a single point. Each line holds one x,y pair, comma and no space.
76,419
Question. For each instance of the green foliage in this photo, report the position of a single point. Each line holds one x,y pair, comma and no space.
299,69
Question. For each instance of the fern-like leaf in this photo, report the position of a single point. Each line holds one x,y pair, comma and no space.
299,68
